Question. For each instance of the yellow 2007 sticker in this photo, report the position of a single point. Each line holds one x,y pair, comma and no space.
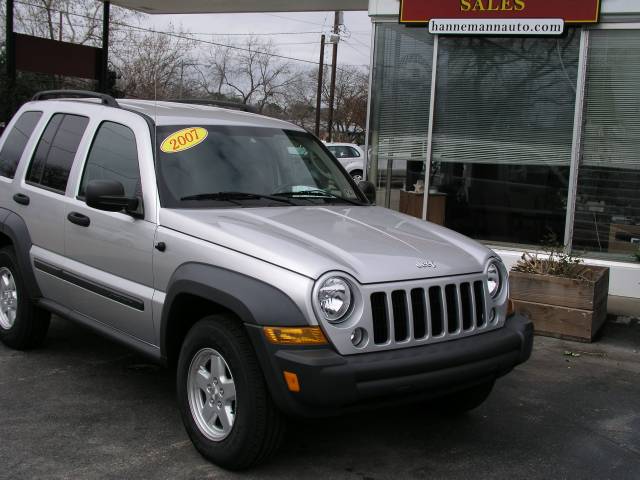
184,140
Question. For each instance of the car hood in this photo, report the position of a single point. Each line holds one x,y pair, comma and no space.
371,243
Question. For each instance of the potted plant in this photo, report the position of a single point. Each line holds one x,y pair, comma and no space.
561,295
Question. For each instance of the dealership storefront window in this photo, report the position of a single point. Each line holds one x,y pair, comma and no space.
400,107
502,135
607,215
527,141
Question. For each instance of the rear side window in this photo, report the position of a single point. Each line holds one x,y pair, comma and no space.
353,152
16,141
342,151
113,156
56,150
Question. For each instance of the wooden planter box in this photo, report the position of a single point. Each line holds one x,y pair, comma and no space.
562,307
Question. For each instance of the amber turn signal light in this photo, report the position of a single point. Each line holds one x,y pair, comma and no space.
295,335
292,381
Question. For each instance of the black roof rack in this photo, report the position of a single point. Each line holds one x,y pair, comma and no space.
219,103
107,100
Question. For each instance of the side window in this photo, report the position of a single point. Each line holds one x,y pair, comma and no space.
17,139
113,156
342,152
353,152
56,150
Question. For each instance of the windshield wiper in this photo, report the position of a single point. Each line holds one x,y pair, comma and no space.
318,194
231,196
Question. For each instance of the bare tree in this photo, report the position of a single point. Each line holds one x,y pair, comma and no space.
170,64
250,71
74,21
299,101
213,72
154,65
350,111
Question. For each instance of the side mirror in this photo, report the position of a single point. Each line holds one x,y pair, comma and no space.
108,195
369,190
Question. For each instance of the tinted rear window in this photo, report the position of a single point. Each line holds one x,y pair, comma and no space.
56,150
17,139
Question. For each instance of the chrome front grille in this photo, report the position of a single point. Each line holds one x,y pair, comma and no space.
431,312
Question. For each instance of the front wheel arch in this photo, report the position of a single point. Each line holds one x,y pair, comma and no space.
186,310
202,290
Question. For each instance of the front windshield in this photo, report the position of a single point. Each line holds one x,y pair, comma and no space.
230,166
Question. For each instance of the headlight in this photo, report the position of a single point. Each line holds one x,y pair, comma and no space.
334,299
494,278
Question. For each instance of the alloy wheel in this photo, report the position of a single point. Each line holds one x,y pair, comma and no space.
8,298
211,393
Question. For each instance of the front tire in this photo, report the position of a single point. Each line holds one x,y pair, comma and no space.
22,324
357,176
224,402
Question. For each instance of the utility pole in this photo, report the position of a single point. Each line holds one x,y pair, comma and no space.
181,78
10,47
104,64
319,95
10,52
336,38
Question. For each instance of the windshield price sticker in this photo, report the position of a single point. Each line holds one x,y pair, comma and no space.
184,140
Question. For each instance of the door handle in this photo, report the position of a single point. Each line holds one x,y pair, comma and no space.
21,198
79,219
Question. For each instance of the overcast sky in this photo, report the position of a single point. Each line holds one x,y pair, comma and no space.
353,50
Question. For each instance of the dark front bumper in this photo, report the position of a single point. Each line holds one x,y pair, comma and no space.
332,384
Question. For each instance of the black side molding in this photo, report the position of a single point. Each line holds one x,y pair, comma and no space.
150,351
94,287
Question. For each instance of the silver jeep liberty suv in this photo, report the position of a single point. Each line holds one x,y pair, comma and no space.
237,249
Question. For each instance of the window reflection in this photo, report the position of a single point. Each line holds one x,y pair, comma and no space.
400,113
607,218
503,134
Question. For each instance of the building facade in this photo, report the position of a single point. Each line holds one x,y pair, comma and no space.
523,143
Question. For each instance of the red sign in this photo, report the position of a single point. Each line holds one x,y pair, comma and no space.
571,11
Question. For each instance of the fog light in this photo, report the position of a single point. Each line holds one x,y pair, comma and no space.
359,338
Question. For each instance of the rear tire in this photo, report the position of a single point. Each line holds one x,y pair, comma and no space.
234,434
22,324
466,400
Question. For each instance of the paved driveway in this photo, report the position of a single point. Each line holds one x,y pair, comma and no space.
85,408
